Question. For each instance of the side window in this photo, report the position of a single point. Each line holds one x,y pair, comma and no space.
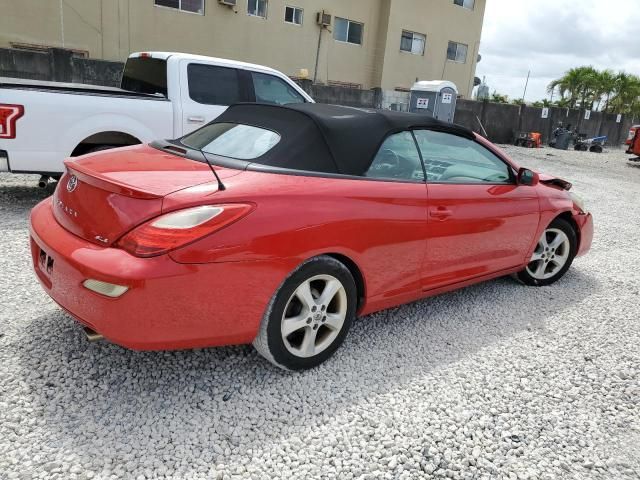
273,90
213,85
397,159
452,159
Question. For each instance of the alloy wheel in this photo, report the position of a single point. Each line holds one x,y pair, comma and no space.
551,254
314,315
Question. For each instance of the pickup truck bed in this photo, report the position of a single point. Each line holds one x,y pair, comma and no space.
73,88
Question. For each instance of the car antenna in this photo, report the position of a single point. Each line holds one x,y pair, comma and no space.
183,152
221,186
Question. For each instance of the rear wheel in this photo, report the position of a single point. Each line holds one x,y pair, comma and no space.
309,316
552,256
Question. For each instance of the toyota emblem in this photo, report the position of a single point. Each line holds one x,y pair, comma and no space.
72,183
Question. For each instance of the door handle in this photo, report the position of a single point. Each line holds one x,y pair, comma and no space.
195,119
441,213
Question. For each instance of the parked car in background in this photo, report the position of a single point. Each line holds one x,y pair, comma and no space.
162,95
278,225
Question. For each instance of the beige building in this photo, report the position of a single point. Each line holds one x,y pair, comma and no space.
369,43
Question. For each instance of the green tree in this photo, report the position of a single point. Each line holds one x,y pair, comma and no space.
586,87
606,85
626,95
498,98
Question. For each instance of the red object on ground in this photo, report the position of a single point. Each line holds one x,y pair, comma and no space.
634,142
210,285
536,137
632,133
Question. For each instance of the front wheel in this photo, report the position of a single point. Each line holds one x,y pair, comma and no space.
309,316
552,256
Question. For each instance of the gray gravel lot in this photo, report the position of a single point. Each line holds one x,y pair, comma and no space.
497,380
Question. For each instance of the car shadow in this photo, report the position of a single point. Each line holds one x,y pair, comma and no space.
90,396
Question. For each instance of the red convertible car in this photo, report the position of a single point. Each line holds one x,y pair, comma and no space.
278,225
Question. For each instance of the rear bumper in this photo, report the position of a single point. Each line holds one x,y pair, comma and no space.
169,305
585,224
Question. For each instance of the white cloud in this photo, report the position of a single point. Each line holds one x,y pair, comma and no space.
549,37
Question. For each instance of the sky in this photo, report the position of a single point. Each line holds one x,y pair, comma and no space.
549,37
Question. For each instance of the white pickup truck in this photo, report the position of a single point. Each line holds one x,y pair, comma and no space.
162,95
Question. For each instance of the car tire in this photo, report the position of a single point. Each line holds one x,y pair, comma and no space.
552,256
309,315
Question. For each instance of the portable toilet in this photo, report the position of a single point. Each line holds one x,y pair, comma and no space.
436,98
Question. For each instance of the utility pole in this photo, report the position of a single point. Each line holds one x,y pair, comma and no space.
315,70
525,86
62,22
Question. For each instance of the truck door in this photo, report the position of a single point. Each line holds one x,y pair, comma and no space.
206,91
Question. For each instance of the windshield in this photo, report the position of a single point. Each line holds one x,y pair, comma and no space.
145,75
234,140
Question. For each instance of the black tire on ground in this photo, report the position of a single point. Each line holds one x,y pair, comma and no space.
596,148
270,341
526,277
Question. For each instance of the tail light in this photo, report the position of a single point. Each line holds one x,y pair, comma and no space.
177,229
9,115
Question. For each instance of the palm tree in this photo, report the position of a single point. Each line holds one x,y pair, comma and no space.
626,94
569,85
606,87
584,86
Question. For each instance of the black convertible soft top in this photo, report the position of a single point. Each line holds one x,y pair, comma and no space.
328,138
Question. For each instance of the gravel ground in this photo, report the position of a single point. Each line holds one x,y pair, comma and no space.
497,380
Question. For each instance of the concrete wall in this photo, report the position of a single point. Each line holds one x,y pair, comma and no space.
111,29
469,113
502,121
60,66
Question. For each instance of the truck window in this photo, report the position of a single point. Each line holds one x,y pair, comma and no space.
145,75
212,85
274,90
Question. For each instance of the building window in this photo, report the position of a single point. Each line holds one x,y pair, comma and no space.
257,8
191,6
465,3
412,42
348,31
457,52
293,15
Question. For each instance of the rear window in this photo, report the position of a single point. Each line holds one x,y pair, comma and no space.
145,75
233,140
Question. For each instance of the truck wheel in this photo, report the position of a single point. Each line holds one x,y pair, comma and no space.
308,317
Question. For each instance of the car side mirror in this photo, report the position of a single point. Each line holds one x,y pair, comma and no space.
527,177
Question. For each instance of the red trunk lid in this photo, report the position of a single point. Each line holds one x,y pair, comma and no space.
105,194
